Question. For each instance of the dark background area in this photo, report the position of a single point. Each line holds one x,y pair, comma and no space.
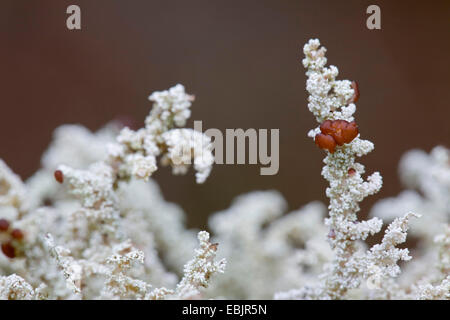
242,60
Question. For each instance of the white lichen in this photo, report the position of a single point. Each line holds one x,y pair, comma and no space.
104,233
104,230
329,99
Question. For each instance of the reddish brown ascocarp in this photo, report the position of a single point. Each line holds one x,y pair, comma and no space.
214,246
344,131
336,132
351,131
8,250
325,141
355,88
17,234
4,225
59,176
326,127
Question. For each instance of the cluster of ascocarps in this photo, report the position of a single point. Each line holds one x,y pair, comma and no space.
336,133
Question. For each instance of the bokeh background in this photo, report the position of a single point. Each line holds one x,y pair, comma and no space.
242,60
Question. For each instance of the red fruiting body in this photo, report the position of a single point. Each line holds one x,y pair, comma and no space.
355,96
4,225
325,141
8,250
351,171
336,132
17,234
326,127
350,132
344,132
59,176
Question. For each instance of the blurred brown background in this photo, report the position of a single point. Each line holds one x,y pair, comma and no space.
242,61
